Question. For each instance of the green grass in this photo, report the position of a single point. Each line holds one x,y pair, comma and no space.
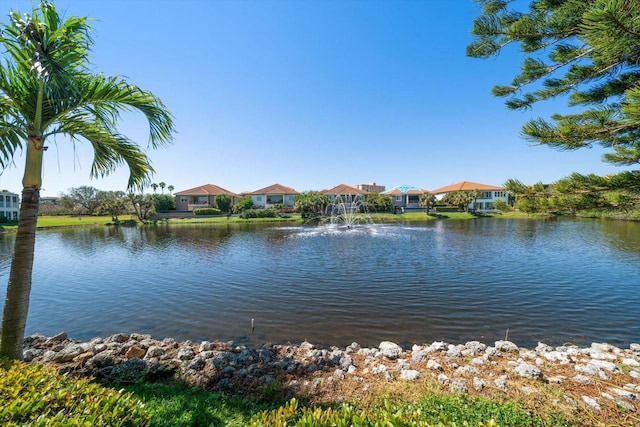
177,405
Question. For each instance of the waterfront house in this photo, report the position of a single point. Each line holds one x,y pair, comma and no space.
273,195
203,196
9,205
406,196
489,194
345,191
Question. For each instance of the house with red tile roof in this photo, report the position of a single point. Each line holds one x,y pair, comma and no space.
344,190
272,195
203,196
489,194
406,196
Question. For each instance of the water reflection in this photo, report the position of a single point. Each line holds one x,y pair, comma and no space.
555,281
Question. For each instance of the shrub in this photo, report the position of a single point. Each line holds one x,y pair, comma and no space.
164,202
259,213
35,395
223,202
207,211
243,204
502,206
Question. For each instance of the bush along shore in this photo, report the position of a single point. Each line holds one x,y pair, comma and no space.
599,384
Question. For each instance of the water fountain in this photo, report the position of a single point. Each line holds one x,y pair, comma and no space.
348,211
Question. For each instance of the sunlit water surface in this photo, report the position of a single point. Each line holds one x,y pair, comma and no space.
556,281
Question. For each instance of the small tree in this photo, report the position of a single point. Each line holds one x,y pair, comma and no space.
143,206
223,202
460,199
380,202
170,188
162,185
85,197
244,204
112,203
311,204
426,200
163,202
154,186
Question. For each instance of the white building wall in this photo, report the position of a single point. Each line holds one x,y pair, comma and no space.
487,201
9,205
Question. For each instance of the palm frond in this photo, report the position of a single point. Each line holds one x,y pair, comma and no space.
111,150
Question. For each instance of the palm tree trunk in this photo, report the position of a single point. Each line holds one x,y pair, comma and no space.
16,305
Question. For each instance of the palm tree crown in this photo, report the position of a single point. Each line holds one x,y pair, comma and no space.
47,88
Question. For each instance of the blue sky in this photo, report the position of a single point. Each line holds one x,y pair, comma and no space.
310,94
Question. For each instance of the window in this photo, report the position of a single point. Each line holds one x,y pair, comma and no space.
414,198
183,199
486,195
274,199
258,198
398,198
488,206
499,194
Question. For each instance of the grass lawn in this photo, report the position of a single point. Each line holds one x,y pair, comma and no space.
74,221
173,405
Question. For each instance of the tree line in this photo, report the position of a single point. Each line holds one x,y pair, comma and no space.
87,200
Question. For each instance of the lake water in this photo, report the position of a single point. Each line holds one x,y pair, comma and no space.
556,281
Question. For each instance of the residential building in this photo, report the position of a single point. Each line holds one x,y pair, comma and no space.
202,197
9,205
489,194
371,188
406,196
344,190
273,195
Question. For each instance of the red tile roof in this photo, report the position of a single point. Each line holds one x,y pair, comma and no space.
465,186
344,189
207,189
275,189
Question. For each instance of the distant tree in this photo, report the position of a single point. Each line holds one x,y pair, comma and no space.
311,204
162,185
154,186
377,202
163,202
170,188
474,195
143,205
84,197
223,202
460,199
426,200
588,50
501,205
245,203
112,203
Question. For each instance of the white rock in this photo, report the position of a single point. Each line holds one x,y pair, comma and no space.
630,362
528,371
591,402
390,350
409,374
443,379
506,346
478,383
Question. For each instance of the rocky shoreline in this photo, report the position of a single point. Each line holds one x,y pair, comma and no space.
601,379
